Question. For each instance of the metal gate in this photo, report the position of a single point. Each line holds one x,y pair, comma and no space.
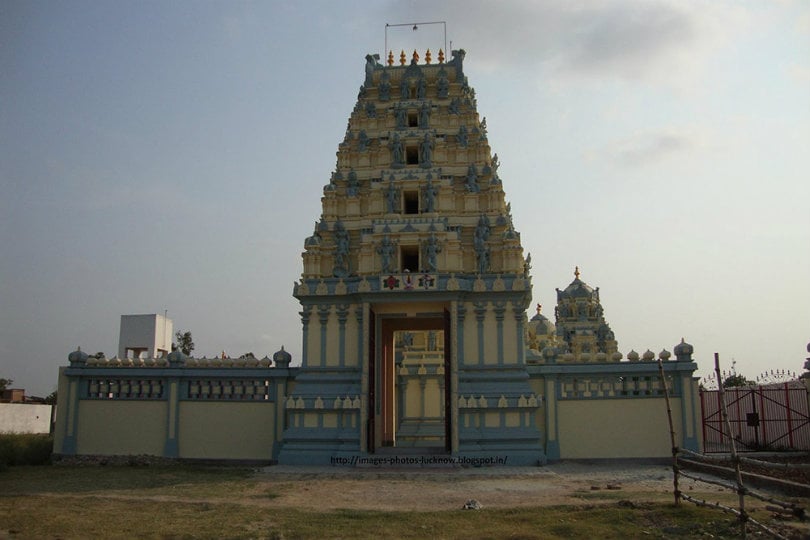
761,418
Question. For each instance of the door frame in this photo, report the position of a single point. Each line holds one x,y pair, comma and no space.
381,364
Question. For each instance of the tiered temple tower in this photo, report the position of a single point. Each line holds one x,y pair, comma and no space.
415,242
581,322
415,340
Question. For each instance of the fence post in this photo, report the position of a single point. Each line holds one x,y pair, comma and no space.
676,491
734,457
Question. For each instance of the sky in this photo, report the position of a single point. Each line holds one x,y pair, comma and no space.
171,156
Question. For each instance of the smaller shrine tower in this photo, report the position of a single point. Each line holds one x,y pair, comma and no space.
581,321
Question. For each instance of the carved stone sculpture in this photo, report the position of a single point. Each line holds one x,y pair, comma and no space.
391,198
341,268
472,179
397,152
387,252
430,194
426,152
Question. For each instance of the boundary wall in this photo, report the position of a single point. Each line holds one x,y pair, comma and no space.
238,410
25,418
219,409
616,410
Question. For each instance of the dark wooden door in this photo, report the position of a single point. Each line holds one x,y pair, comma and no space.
448,402
372,378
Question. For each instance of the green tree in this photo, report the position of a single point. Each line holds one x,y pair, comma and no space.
50,399
5,383
184,342
736,380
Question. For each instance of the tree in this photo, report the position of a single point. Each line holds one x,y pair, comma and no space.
736,380
51,398
184,342
5,383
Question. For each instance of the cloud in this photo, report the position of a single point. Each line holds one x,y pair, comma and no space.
661,40
799,73
651,147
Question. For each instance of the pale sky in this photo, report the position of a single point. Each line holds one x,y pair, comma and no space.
171,156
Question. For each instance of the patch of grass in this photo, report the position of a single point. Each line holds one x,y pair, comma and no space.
206,502
618,495
41,516
188,480
25,449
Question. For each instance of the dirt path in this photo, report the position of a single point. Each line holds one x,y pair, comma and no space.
439,489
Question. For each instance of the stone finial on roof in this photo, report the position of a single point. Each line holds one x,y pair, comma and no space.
176,358
282,358
576,272
390,58
78,357
683,351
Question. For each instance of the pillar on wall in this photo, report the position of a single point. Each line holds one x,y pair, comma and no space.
552,431
689,411
282,360
70,405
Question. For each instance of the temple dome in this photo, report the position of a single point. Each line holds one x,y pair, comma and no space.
577,289
542,325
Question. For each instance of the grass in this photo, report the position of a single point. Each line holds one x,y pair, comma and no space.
163,480
24,449
206,502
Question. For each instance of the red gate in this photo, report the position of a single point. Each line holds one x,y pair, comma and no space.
761,417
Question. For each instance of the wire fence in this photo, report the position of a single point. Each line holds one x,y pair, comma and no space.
702,462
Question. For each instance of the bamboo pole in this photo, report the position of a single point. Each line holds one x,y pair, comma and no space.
725,471
675,490
791,508
734,511
776,466
735,459
697,478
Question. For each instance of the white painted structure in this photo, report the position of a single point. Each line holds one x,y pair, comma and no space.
25,418
145,336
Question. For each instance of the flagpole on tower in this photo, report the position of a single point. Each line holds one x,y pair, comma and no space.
415,28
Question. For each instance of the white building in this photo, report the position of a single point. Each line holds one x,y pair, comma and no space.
145,336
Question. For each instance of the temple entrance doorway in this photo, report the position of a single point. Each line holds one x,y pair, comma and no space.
411,409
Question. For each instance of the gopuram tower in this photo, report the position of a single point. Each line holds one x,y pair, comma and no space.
414,286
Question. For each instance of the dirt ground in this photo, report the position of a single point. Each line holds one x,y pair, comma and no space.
325,488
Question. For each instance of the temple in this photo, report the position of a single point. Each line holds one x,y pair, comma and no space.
414,295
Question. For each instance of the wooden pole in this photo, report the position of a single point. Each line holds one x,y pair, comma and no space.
743,517
676,492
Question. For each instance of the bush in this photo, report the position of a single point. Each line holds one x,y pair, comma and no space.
25,449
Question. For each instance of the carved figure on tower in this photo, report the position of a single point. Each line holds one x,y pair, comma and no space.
480,244
341,268
426,152
387,252
397,152
391,197
472,179
431,250
430,195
